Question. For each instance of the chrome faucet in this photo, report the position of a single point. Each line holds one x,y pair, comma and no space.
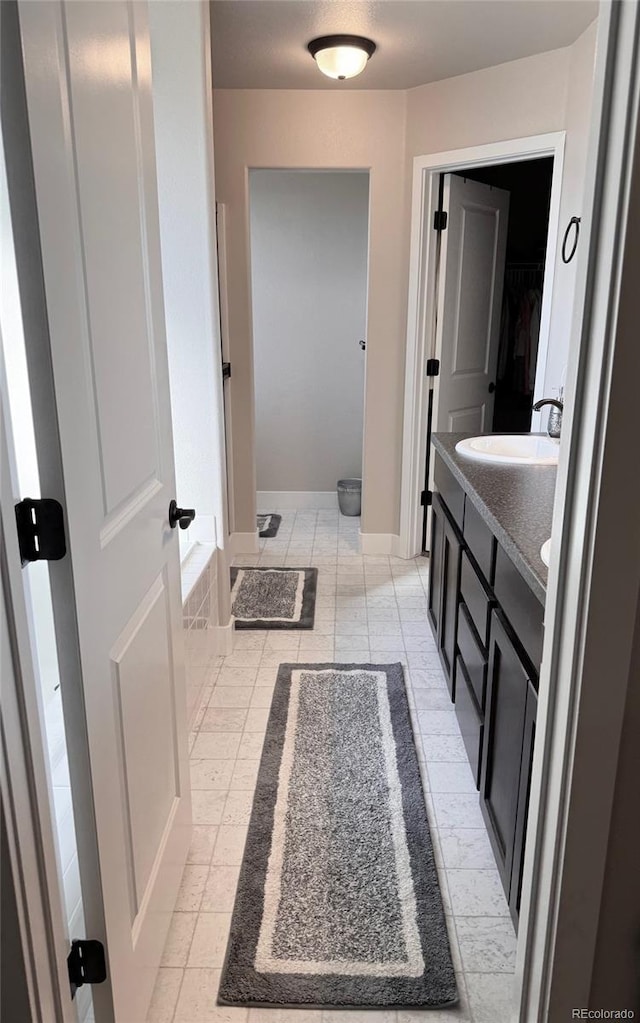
554,425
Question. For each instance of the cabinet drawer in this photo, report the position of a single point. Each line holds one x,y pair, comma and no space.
521,608
469,719
473,655
480,541
450,491
477,598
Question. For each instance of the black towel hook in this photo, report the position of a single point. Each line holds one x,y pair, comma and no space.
574,222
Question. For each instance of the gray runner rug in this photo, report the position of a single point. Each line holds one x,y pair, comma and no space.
268,525
274,598
338,902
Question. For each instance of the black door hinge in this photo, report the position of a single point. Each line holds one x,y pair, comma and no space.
440,220
426,498
40,530
433,367
226,370
86,963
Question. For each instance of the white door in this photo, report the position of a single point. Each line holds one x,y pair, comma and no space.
471,277
88,86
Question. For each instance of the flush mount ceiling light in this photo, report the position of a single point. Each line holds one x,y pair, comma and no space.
341,56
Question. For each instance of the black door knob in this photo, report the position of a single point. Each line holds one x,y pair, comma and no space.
182,517
492,388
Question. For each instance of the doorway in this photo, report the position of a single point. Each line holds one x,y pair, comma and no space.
529,186
423,411
493,224
309,263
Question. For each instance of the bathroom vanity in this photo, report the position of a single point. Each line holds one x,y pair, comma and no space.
486,608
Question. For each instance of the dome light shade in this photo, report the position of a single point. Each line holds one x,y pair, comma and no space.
341,56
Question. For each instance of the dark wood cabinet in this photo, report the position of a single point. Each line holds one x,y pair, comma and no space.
503,788
488,626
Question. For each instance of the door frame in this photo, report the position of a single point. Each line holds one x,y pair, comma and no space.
220,218
423,281
25,788
594,576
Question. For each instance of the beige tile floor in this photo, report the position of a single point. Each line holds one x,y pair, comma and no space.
369,609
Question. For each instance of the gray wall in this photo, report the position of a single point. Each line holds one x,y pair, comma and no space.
309,242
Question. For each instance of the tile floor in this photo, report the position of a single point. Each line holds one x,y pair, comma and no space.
368,609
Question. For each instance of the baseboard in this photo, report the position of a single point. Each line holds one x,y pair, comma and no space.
382,544
406,550
225,635
243,543
296,500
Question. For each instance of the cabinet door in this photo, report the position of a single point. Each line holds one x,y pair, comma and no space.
435,567
451,556
523,800
505,711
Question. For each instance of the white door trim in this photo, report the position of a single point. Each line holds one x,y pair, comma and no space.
421,334
223,298
219,332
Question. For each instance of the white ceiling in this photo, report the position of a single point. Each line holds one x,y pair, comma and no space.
261,44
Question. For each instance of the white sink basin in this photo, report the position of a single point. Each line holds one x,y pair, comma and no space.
545,551
519,449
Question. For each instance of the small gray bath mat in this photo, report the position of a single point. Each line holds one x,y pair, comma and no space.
268,525
274,598
338,901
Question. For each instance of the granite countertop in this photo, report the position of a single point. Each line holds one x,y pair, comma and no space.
516,502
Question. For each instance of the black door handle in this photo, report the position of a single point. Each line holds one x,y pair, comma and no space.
182,517
492,388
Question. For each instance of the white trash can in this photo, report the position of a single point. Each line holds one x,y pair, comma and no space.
350,496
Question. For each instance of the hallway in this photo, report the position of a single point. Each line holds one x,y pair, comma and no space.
368,609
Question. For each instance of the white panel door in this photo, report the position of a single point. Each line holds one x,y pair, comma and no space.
470,285
87,73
